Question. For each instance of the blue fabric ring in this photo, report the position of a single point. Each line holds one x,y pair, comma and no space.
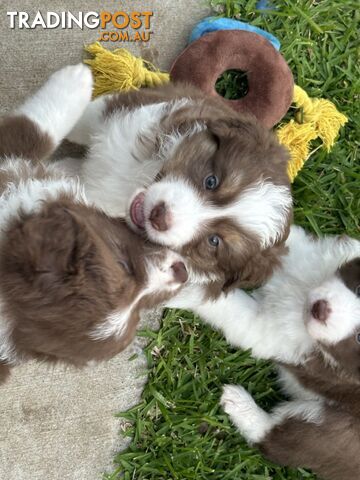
212,24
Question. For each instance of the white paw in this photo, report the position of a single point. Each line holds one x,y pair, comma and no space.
236,400
74,81
252,422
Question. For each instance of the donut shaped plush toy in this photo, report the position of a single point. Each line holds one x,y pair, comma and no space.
270,81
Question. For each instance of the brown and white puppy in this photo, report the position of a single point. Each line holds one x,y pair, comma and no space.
73,281
191,174
307,319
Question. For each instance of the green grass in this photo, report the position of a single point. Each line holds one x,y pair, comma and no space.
179,430
232,84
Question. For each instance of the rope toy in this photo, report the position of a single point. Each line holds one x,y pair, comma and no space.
119,70
315,118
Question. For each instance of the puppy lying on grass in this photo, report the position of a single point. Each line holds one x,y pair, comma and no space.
307,319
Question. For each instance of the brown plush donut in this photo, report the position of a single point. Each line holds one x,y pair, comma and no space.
270,80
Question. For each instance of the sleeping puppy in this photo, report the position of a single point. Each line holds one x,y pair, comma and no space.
73,281
307,319
191,174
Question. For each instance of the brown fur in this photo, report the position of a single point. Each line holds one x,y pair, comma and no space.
330,449
19,136
350,274
240,152
333,382
165,93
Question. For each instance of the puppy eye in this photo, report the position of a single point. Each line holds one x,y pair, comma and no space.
214,240
211,182
358,337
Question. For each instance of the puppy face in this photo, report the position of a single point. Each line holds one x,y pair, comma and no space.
334,316
67,269
222,198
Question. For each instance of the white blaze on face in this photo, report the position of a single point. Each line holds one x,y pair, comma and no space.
262,209
344,312
184,207
161,278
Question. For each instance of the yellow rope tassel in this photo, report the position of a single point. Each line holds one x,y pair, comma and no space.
302,100
316,117
296,137
327,121
119,70
323,113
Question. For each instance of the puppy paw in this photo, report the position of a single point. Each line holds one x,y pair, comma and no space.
72,86
252,422
236,400
76,82
58,105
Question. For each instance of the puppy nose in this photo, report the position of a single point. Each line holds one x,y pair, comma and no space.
321,310
158,217
180,273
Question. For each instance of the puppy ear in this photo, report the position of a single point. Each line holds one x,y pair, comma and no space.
257,270
231,124
48,246
211,113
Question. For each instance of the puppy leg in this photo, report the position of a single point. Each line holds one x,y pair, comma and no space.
299,434
237,315
41,123
89,123
252,422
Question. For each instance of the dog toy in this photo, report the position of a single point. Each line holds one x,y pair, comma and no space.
315,118
213,24
119,70
270,80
